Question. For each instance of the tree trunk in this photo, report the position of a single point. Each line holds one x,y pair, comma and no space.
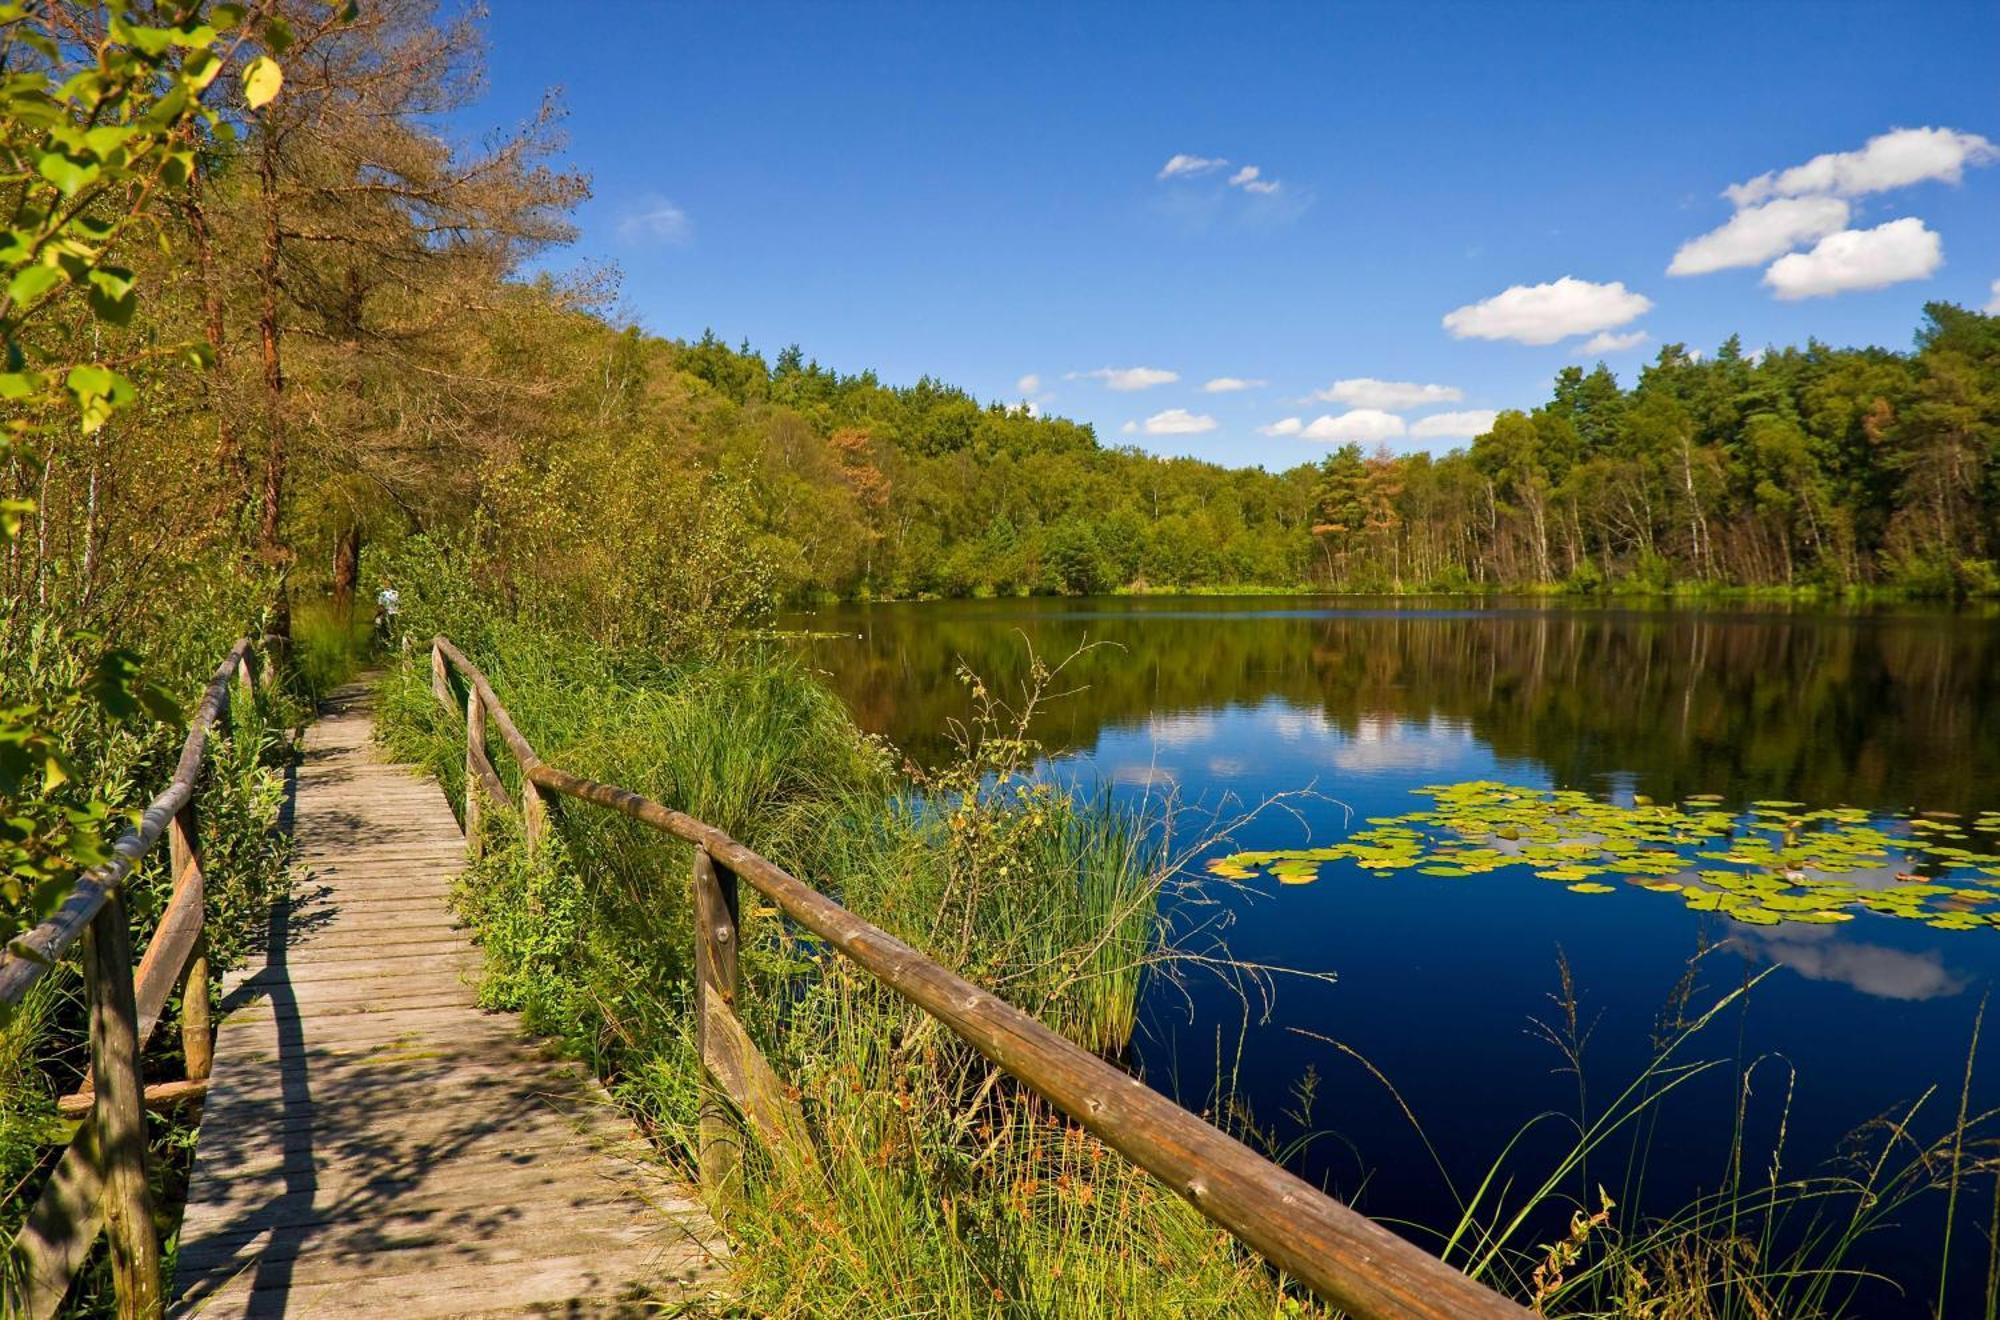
228,446
346,568
270,529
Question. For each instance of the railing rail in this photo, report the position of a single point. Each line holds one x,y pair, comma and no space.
100,1184
1343,1256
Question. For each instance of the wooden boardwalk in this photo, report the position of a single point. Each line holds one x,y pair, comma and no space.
373,1143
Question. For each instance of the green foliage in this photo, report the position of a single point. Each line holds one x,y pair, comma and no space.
331,643
88,150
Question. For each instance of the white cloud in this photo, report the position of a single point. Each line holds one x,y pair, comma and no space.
1032,408
1179,421
1454,425
1858,259
1029,384
1755,234
1895,159
1606,342
1231,384
1283,426
1180,165
1127,378
1544,313
1388,395
1251,180
656,220
1360,424
1993,303
1130,428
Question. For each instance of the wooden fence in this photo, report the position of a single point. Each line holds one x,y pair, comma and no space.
1345,1257
100,1183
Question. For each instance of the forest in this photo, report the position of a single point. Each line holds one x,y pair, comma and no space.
299,390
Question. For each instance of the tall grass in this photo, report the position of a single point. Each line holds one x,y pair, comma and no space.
331,643
937,1187
1765,1243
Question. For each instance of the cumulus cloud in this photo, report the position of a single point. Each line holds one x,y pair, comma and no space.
1231,384
1388,395
1130,428
1993,303
1858,259
1181,165
1127,378
1245,175
1179,421
1454,425
1029,384
1755,234
656,220
1895,159
1364,425
1606,342
1283,426
1544,313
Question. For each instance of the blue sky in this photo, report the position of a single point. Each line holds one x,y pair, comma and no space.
975,192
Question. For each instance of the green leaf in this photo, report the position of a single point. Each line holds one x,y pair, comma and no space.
31,283
111,295
261,81
68,174
18,385
99,393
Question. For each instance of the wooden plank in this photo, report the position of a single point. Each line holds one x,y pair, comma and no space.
375,1144
174,939
59,1233
475,753
158,1096
715,985
197,1026
119,1116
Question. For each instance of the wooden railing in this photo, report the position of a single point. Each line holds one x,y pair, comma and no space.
1343,1256
100,1183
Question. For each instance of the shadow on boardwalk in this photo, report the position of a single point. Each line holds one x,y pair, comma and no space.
374,1144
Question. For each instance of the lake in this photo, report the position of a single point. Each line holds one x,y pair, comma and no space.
1449,987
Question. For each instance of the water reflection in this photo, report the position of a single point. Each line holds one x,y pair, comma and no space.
1439,978
1884,710
1820,954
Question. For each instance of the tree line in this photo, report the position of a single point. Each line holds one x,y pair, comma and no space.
367,367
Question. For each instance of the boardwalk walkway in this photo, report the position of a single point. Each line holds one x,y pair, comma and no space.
374,1144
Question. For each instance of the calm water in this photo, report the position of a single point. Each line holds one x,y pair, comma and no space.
1440,982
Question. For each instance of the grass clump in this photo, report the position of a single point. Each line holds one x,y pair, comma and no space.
331,643
936,1186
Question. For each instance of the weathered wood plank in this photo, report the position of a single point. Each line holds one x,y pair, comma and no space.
375,1144
119,1115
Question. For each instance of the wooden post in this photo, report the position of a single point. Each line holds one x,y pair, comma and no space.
197,1043
715,984
119,1115
475,749
534,815
247,685
440,685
